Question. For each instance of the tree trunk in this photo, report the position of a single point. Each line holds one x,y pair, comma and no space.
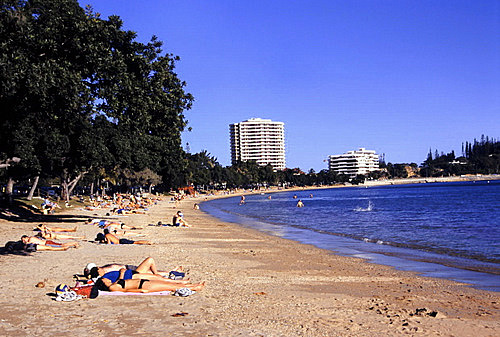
73,183
33,188
64,188
9,189
92,189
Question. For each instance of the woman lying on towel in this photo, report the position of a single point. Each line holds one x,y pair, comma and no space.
109,238
143,285
143,271
148,266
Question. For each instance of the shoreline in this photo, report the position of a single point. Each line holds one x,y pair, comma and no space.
481,274
257,285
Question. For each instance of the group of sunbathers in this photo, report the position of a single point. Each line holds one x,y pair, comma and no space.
143,278
44,240
122,204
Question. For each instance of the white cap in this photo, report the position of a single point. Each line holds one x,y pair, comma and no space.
90,266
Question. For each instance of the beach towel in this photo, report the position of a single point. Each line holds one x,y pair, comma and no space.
119,293
182,292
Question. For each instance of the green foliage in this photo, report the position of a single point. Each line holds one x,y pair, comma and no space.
79,94
479,157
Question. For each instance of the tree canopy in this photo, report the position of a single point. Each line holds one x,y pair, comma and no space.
79,93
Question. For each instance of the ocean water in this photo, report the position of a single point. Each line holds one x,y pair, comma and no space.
449,230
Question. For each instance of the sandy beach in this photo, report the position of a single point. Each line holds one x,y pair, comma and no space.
257,285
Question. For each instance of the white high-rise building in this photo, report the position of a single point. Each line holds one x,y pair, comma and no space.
353,163
258,139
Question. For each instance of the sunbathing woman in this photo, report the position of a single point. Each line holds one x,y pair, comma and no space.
46,233
109,238
143,285
49,243
54,229
53,236
110,224
96,272
148,266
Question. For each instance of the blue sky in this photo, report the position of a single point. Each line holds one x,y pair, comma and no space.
398,76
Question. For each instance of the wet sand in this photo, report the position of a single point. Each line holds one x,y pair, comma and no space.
257,285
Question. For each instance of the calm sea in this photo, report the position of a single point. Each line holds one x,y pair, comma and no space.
448,230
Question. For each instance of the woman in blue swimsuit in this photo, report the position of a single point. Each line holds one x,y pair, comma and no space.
124,284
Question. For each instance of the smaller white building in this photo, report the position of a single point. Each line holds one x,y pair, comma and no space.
352,163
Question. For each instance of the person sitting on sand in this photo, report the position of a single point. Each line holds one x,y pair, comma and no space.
123,284
49,206
178,220
109,238
54,229
49,243
148,266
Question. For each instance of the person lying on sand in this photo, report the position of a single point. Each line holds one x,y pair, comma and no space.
48,243
41,227
148,266
107,223
17,246
46,233
109,238
125,211
123,284
53,236
143,271
117,228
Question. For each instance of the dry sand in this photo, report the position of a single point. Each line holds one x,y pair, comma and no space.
257,285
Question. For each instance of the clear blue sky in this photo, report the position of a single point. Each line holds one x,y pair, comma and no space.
398,76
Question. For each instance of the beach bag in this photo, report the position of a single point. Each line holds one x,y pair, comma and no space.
83,290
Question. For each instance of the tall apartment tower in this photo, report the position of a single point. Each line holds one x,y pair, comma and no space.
258,139
353,163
